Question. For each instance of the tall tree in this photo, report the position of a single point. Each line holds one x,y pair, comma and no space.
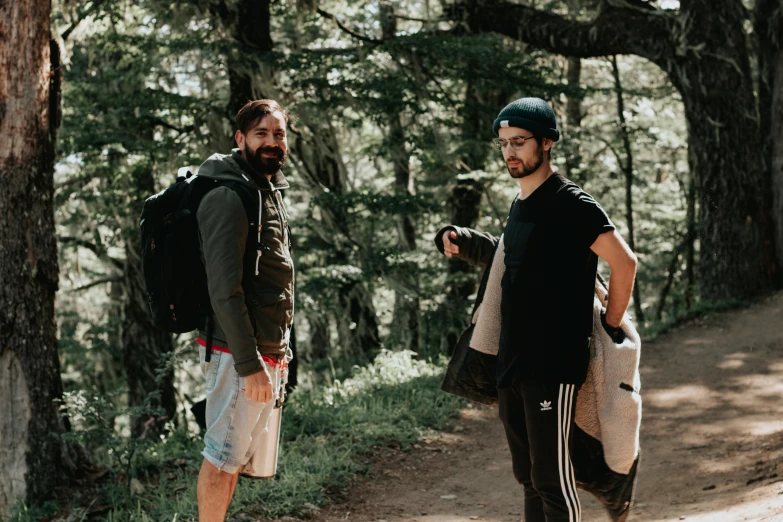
737,242
35,458
573,111
406,304
768,24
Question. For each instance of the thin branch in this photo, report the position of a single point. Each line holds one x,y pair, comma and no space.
112,279
412,19
628,170
346,29
615,30
435,81
81,17
164,123
82,243
332,51
99,252
610,147
84,180
670,271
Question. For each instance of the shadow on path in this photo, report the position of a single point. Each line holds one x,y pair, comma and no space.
712,440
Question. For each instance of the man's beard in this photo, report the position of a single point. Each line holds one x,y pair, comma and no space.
526,169
266,165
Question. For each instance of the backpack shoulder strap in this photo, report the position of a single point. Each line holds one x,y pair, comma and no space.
249,200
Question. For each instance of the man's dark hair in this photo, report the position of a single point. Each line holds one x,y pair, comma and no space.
256,110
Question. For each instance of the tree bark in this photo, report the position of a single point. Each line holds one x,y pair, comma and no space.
690,243
35,459
768,26
406,304
249,23
573,113
671,271
465,204
319,336
703,49
573,122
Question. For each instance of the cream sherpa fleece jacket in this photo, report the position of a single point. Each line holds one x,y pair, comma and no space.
486,335
608,407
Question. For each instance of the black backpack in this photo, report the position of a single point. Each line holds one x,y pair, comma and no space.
174,275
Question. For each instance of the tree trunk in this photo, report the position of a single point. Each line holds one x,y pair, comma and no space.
703,49
573,119
319,336
733,261
465,203
146,349
671,271
35,459
357,324
573,122
482,103
690,243
628,169
249,23
406,304
769,34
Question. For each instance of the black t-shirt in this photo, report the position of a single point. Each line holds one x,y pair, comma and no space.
548,285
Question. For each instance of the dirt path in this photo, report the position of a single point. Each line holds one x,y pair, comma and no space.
712,440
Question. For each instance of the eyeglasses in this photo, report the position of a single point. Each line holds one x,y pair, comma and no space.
517,142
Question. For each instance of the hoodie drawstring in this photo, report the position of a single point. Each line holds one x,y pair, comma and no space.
259,252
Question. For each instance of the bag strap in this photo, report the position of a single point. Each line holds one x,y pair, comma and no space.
249,201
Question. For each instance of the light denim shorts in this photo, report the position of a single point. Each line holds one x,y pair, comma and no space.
233,422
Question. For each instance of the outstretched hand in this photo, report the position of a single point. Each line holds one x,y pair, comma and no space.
450,247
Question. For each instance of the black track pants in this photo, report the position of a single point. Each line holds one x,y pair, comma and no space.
538,418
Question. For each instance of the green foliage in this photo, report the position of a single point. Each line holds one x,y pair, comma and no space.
329,438
102,429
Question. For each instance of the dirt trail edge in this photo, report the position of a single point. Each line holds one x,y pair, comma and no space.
712,440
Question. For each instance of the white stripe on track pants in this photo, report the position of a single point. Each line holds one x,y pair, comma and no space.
538,418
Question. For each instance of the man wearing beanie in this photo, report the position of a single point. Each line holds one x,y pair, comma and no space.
542,273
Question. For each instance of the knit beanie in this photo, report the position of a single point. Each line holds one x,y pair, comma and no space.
533,114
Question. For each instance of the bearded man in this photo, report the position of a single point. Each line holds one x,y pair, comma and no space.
251,292
542,274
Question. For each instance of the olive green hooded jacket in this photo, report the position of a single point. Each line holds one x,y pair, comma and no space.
252,293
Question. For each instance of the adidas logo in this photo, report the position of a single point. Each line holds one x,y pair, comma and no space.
546,405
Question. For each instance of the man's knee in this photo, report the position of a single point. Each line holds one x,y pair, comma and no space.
522,474
212,473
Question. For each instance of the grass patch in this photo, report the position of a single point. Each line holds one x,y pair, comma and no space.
702,310
329,436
